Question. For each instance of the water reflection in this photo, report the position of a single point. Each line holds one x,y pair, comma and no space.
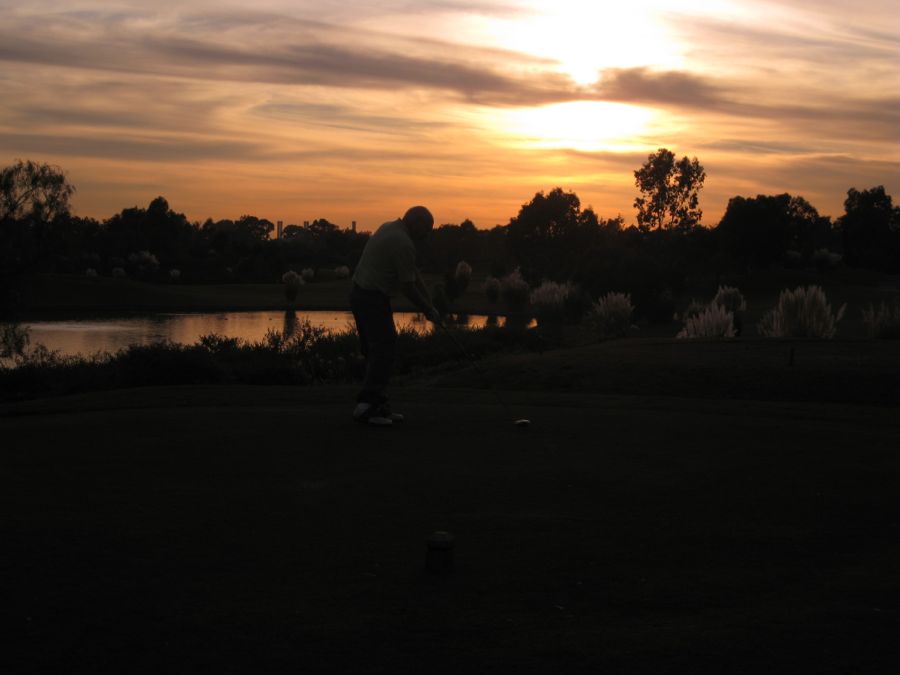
88,336
290,323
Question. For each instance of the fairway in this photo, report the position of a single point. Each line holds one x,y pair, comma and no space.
255,529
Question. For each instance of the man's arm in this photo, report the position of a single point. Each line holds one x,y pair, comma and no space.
418,295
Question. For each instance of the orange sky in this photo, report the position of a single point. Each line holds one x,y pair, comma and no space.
297,110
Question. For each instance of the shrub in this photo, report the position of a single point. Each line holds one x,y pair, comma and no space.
118,273
824,259
882,321
515,290
342,272
90,272
801,313
548,301
308,274
174,275
143,262
612,315
793,260
660,307
491,288
713,322
577,303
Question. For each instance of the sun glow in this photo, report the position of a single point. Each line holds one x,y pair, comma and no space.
584,37
589,126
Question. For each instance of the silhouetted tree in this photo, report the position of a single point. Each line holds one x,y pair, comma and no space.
159,230
870,229
758,231
670,191
37,192
551,233
257,228
32,198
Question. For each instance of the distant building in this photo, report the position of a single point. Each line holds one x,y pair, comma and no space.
279,229
353,226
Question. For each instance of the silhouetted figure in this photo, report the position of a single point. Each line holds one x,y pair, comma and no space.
387,265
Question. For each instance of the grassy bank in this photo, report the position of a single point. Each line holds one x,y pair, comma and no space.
236,529
60,295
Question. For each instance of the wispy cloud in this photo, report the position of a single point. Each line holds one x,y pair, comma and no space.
328,93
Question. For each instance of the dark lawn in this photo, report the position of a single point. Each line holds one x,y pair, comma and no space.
256,530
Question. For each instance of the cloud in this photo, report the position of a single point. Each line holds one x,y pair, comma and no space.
667,88
133,149
259,48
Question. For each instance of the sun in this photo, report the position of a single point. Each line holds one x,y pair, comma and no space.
589,126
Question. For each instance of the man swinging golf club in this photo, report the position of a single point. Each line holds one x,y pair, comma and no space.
387,265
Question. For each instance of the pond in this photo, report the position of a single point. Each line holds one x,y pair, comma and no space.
90,335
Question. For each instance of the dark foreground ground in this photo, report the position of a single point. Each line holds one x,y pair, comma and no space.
253,530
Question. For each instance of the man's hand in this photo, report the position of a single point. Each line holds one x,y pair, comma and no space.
434,317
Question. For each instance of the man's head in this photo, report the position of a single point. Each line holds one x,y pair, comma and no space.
418,221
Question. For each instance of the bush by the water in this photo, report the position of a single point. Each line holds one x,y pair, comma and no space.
292,283
307,355
882,321
549,301
491,288
801,313
462,276
612,314
713,322
515,291
14,340
824,259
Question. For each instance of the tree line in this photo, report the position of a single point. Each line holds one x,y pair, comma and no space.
551,237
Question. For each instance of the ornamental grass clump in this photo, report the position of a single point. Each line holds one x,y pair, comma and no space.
462,276
801,313
308,274
292,283
342,272
730,298
882,321
456,281
694,308
713,322
515,291
549,301
612,314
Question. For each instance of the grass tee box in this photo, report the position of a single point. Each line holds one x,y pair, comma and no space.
255,529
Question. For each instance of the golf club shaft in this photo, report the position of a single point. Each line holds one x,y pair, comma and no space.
477,367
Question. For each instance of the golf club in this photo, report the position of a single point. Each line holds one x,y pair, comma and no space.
521,423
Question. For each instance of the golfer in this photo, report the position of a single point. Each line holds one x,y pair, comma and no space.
387,265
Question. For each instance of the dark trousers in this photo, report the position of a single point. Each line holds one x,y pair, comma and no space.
378,338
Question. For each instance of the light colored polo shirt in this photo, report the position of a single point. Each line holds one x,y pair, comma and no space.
388,260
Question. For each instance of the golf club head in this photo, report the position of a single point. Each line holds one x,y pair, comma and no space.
522,424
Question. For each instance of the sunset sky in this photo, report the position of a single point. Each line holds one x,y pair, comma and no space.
294,110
